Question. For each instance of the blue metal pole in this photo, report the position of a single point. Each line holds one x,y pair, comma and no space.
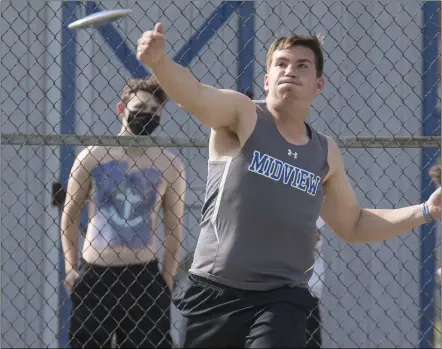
430,127
67,156
246,50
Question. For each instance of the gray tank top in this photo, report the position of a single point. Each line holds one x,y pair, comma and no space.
258,224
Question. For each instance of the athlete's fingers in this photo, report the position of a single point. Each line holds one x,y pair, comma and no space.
159,28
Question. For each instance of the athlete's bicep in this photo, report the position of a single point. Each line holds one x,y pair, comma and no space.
340,209
222,108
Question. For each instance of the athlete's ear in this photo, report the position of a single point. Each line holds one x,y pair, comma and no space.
266,83
320,85
120,109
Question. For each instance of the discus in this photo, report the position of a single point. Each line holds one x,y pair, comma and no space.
99,19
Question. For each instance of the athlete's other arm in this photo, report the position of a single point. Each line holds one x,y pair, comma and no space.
78,188
342,212
173,208
213,107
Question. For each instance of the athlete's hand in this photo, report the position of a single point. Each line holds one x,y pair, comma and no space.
439,272
151,46
70,279
434,204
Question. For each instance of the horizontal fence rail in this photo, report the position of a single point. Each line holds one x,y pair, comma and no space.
145,141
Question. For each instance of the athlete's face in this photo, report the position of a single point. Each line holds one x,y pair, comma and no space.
292,75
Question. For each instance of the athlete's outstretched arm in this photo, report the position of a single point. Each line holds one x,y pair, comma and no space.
342,212
173,207
213,107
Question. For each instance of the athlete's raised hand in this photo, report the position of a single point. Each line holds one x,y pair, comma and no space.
151,46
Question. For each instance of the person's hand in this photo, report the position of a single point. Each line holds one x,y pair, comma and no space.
434,204
439,272
151,46
70,279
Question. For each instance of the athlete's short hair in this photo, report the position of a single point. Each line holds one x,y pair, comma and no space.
312,42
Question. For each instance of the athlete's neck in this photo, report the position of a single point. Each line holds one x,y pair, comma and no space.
290,120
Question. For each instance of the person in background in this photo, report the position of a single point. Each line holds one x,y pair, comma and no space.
118,289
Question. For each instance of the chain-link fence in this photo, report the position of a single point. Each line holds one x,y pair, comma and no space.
60,90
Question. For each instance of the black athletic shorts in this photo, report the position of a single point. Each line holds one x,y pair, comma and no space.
132,302
313,334
217,316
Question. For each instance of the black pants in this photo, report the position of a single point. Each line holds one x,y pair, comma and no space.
314,338
216,316
132,302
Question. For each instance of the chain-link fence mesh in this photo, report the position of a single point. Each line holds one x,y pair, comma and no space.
60,90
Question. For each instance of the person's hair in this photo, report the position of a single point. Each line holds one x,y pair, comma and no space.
435,173
150,85
309,41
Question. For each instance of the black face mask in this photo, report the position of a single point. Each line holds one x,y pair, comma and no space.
142,124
